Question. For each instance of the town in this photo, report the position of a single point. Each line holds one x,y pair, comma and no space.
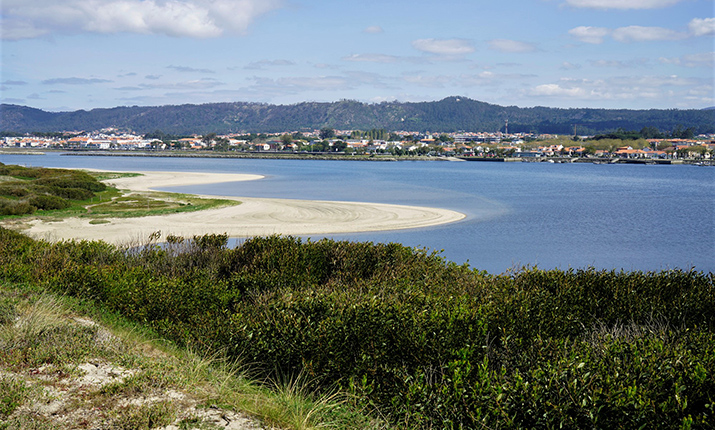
480,145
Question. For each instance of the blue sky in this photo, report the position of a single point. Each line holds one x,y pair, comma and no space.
84,54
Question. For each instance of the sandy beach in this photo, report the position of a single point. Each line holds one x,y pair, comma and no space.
253,217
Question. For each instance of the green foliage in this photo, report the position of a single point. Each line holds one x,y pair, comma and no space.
428,343
12,394
13,207
211,241
45,202
29,189
449,114
326,133
87,183
648,132
7,311
70,193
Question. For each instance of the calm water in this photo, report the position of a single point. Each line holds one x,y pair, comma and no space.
631,217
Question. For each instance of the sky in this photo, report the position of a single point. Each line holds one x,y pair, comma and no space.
62,55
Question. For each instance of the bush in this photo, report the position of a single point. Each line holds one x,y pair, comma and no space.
428,343
14,207
45,202
75,181
45,189
14,190
210,241
69,193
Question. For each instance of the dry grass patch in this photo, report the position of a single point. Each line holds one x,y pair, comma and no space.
63,369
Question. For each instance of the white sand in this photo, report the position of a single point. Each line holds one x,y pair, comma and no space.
253,217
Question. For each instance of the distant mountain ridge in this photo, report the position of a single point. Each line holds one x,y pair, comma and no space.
447,115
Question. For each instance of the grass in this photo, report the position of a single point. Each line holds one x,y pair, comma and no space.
103,176
153,203
49,344
21,187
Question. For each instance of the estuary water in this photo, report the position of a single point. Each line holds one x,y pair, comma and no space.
630,217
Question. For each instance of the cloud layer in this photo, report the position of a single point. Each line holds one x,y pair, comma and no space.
506,45
24,19
622,4
626,88
446,47
636,33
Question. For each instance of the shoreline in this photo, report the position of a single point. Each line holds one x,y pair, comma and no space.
253,217
317,156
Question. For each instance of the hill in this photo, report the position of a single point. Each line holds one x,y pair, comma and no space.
447,115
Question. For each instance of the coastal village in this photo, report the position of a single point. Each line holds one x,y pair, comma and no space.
524,146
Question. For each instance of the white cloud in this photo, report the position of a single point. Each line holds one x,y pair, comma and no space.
16,30
374,29
705,59
427,80
446,47
608,63
636,33
464,80
186,69
262,64
298,84
702,27
557,90
593,35
372,58
24,19
515,46
622,4
487,78
566,65
74,81
633,33
195,84
369,79
636,62
626,88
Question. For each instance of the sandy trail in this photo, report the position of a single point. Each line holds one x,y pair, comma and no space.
253,217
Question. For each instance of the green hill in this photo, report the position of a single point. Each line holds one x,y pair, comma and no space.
447,115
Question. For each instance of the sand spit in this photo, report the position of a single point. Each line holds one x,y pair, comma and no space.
253,217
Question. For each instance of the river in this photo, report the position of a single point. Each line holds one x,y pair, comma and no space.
630,217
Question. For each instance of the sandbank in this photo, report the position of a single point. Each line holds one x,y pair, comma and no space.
253,217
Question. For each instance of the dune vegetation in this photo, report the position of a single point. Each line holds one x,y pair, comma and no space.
405,336
60,193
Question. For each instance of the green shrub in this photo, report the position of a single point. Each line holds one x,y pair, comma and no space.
45,202
45,189
428,343
69,193
14,190
75,180
14,207
211,241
